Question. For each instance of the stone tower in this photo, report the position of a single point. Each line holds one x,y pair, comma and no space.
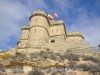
38,27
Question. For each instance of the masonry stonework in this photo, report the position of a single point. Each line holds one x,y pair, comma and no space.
44,33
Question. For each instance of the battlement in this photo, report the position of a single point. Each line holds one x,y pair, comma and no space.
25,27
38,12
75,34
53,22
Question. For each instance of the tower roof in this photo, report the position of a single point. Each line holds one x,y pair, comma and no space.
38,12
25,27
53,22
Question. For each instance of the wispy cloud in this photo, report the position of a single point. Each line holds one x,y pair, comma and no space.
88,23
13,15
84,18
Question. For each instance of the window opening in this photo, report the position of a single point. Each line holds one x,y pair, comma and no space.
52,30
52,41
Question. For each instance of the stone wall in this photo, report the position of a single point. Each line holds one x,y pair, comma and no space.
57,30
38,33
51,34
25,34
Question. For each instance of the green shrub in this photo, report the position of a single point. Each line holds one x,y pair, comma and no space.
72,64
50,52
19,57
6,55
41,53
17,69
70,57
58,54
86,58
2,68
94,68
35,73
48,49
91,68
45,55
56,73
62,57
34,55
53,57
83,66
17,53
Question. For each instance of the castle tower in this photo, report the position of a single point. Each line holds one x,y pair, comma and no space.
24,37
39,25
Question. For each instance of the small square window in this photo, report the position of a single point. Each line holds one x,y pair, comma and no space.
52,41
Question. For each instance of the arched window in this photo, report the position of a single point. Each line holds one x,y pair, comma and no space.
44,22
52,30
56,30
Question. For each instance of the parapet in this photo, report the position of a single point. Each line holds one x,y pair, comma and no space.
25,27
38,12
53,22
75,34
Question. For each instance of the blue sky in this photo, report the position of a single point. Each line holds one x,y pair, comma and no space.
78,15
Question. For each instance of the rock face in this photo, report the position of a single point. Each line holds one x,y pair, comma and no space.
45,44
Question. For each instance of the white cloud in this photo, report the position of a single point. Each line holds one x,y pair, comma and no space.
87,22
13,14
89,25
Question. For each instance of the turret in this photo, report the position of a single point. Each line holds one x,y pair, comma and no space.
24,38
38,29
39,25
77,36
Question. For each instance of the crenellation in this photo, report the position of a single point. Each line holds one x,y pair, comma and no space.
53,22
25,27
76,35
39,12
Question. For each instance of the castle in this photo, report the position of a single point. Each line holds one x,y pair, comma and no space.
46,44
43,33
